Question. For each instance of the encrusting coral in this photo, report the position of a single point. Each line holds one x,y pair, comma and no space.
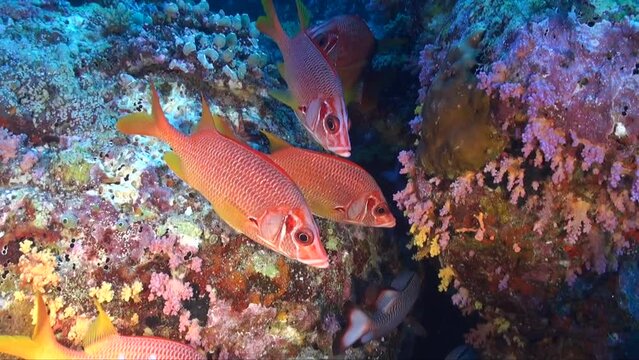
545,222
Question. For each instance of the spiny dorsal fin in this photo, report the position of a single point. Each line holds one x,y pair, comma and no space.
385,300
99,329
275,143
224,127
216,123
207,123
303,14
42,332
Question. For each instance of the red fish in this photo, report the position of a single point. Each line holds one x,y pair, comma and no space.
349,45
314,89
247,190
335,188
101,342
392,306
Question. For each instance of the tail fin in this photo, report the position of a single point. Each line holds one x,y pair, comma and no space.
41,345
270,24
359,325
155,125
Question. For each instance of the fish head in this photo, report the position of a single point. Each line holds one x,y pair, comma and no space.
327,120
293,232
371,209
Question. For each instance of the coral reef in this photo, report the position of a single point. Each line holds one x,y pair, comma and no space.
88,213
532,235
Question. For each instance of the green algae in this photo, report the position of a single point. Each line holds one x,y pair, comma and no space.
265,263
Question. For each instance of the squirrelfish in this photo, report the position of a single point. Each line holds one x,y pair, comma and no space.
314,89
392,306
102,341
348,44
334,188
246,189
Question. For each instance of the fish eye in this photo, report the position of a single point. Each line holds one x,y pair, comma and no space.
380,210
322,41
332,124
304,237
302,109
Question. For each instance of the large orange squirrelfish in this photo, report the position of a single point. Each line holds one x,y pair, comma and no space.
314,89
335,188
246,189
348,44
102,341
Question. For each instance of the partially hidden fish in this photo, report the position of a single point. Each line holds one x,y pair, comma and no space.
247,190
314,89
102,341
334,188
391,307
349,45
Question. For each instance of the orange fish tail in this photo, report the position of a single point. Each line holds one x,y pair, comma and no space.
270,23
155,124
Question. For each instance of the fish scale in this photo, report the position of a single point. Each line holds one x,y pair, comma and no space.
344,192
315,75
140,348
248,191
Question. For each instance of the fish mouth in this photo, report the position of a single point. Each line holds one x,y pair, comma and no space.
388,224
343,152
318,263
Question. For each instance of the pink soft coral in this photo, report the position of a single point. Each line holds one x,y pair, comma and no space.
172,290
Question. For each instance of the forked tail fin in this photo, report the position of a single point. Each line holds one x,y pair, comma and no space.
154,124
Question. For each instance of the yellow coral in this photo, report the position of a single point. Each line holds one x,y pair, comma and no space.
68,312
78,330
421,236
132,292
18,296
434,246
25,246
104,293
135,319
501,324
446,275
37,267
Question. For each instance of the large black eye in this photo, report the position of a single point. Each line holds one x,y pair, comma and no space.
323,41
380,210
332,124
304,237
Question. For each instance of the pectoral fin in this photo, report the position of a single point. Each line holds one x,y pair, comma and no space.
175,164
284,96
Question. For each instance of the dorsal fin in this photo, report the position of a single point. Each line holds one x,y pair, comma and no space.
42,332
303,14
207,123
99,329
275,143
211,122
224,127
385,300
